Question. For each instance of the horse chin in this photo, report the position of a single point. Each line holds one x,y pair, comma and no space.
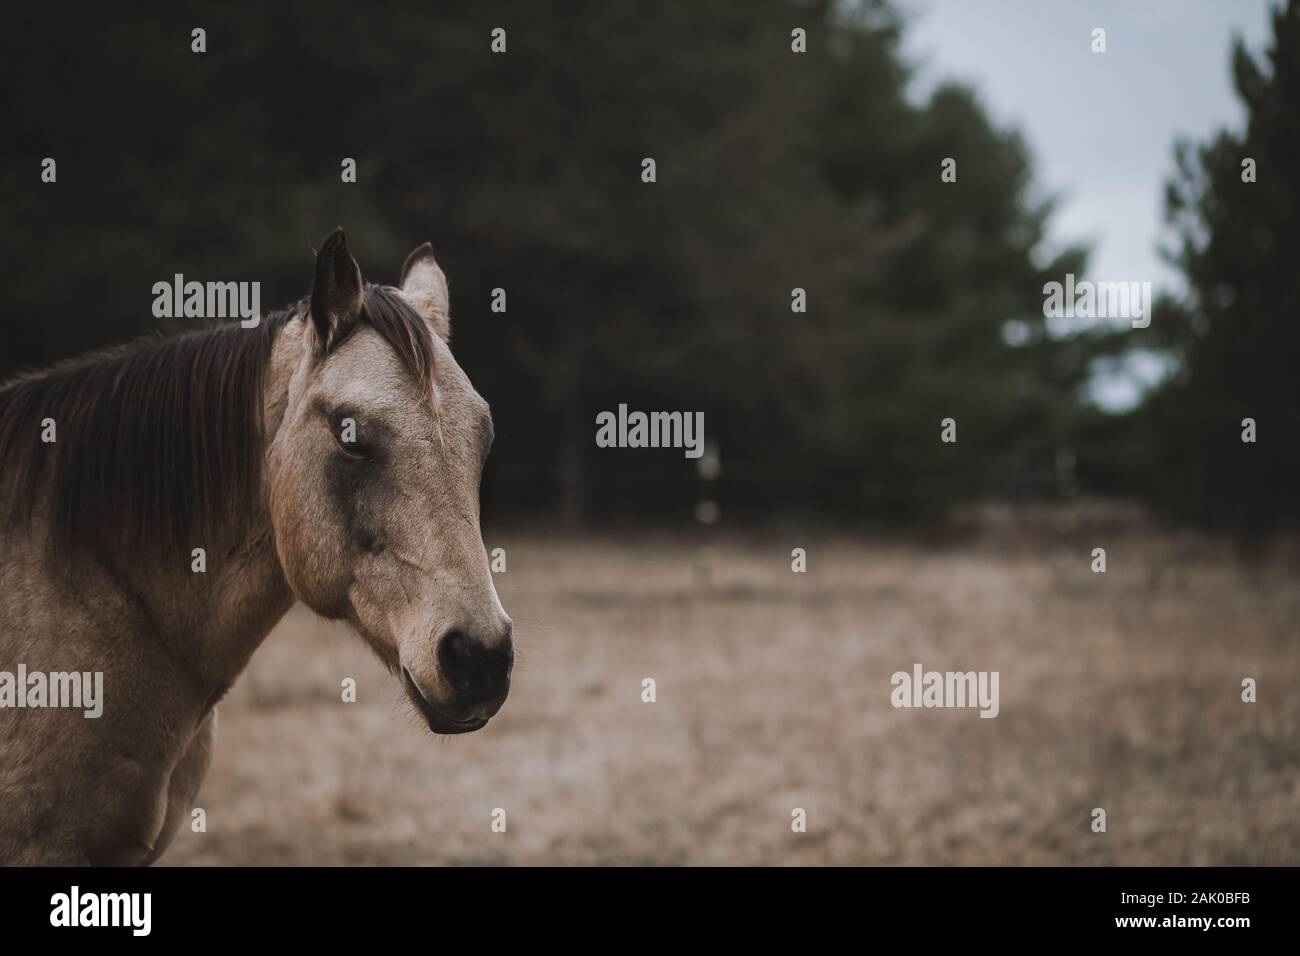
438,722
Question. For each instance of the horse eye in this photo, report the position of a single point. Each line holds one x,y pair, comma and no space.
345,436
354,449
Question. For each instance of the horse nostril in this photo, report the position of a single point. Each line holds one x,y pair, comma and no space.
508,655
475,670
456,657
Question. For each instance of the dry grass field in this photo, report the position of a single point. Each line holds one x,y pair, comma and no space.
1118,690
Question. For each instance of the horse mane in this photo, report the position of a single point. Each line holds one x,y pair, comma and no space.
159,443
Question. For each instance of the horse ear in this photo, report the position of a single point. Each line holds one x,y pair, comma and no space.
425,287
336,291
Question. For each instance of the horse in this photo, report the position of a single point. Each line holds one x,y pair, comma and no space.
165,502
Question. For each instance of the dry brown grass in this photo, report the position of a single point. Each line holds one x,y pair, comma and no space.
1119,690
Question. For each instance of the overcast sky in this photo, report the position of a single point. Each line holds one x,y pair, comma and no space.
1101,126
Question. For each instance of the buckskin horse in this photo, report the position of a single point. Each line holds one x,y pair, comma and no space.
332,454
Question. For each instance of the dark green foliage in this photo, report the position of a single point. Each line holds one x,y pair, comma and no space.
775,171
1236,335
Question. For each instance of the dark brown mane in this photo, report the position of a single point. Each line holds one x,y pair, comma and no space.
159,443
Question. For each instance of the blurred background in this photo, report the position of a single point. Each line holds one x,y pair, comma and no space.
775,171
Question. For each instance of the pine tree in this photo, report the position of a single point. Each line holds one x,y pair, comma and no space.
1235,336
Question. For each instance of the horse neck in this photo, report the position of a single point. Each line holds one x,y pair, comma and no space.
214,626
